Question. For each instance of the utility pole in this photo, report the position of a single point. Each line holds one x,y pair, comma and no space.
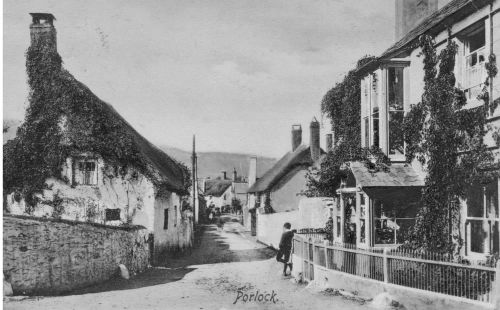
194,160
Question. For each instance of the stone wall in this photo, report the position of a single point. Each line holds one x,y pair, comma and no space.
46,256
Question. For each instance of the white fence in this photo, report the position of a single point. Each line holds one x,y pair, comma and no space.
420,270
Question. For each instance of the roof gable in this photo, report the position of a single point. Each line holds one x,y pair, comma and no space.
217,187
300,157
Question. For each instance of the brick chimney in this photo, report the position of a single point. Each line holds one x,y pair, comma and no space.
314,140
42,30
252,171
329,142
296,136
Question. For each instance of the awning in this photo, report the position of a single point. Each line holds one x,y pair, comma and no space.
397,183
408,194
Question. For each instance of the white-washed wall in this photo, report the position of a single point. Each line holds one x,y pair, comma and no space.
270,226
314,212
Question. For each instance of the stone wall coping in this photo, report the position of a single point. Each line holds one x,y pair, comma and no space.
70,222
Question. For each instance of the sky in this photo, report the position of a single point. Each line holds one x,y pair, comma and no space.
237,73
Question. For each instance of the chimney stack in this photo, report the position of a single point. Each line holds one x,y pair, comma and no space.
224,175
314,140
296,136
252,171
235,174
42,30
329,142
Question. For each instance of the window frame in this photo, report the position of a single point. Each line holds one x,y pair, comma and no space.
488,219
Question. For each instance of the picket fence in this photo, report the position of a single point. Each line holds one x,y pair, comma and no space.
416,269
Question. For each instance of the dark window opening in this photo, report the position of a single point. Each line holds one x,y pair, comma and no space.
165,219
113,214
86,173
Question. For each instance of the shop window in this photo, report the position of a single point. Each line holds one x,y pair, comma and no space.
85,172
393,221
482,223
112,214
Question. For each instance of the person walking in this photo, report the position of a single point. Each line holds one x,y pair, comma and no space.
285,248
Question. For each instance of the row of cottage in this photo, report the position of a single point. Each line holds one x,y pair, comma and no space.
377,209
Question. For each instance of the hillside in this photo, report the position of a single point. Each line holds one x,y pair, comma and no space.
209,163
212,163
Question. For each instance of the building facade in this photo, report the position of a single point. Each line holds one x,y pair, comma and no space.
380,208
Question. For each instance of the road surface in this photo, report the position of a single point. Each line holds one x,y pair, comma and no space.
224,269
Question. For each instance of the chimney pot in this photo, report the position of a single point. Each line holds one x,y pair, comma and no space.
252,171
296,136
314,140
42,30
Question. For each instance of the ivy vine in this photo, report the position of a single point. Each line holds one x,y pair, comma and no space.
448,139
64,118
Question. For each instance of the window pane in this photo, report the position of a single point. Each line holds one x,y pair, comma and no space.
475,201
496,238
367,132
396,89
491,194
396,135
362,231
384,231
478,236
339,226
403,232
375,130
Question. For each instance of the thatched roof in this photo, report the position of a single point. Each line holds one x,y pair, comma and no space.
432,25
301,157
216,187
166,170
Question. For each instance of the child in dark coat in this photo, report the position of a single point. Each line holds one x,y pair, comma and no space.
285,248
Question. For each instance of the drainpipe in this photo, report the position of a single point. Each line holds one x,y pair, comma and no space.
490,97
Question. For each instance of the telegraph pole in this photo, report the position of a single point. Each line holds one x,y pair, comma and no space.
194,160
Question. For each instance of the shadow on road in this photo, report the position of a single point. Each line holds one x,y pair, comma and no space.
151,277
212,247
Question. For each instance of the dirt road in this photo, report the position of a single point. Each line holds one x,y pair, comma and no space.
223,271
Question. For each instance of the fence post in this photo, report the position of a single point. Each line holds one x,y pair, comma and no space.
325,244
386,266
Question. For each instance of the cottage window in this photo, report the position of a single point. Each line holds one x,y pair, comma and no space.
393,222
375,129
482,223
112,214
85,172
395,110
367,132
165,219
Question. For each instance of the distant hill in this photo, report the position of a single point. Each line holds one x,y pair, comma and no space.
210,164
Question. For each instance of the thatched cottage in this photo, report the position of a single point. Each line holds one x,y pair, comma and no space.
76,158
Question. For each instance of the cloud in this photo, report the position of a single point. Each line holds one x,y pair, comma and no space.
236,73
